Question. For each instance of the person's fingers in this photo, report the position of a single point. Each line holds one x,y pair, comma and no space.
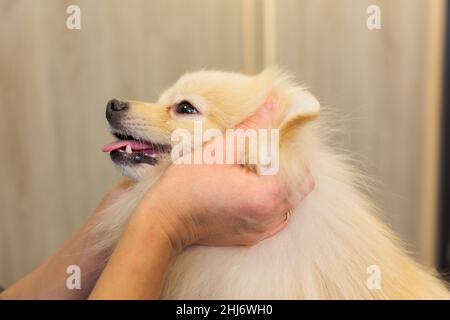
263,117
235,143
229,148
282,224
302,188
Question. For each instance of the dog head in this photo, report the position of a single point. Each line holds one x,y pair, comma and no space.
219,100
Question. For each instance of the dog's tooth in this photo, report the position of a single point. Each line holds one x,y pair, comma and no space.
128,149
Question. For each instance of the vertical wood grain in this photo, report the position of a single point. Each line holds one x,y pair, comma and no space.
383,87
54,85
432,130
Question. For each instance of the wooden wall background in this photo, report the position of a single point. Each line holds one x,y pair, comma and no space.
54,84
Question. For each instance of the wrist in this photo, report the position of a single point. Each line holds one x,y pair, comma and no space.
165,221
141,257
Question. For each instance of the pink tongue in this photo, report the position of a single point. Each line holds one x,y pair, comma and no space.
135,145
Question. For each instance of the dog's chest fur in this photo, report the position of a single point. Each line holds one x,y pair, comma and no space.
324,252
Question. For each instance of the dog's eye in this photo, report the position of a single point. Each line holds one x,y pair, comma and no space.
185,107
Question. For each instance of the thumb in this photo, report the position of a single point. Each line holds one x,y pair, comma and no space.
262,118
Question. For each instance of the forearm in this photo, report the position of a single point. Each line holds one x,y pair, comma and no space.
138,266
48,281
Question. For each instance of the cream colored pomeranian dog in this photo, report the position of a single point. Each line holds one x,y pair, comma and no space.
334,246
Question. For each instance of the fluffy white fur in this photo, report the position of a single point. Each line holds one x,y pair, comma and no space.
332,238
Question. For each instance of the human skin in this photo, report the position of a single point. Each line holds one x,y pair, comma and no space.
210,210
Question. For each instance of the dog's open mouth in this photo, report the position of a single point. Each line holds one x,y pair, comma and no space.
128,150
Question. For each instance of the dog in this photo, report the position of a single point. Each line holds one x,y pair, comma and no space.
334,246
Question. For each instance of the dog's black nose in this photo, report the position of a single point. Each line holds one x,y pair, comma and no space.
115,105
114,108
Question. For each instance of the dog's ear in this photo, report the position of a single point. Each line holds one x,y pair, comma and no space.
297,104
301,107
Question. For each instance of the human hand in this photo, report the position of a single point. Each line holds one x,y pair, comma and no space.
222,205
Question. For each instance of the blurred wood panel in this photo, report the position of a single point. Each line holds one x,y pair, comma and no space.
54,87
378,84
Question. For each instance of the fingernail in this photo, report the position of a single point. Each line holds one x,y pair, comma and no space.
268,105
